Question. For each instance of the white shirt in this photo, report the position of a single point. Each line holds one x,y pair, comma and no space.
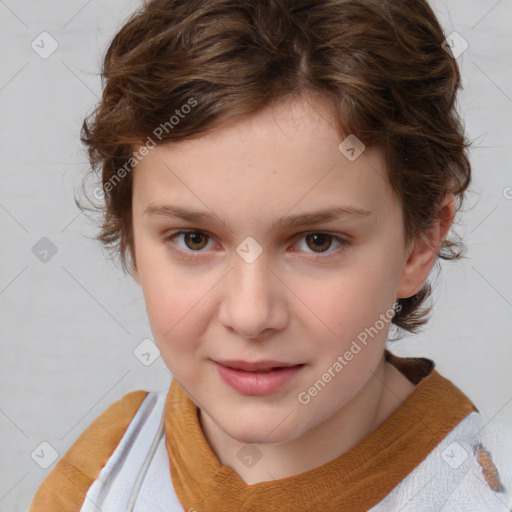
450,479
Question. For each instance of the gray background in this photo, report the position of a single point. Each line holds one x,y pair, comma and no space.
70,325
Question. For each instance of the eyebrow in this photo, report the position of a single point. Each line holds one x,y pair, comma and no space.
289,221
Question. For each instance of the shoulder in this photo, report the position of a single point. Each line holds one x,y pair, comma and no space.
481,453
66,485
470,469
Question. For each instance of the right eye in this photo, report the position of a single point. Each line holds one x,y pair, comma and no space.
193,240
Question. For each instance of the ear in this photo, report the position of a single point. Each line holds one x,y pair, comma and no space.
422,252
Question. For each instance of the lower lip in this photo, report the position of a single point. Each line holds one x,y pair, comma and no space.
251,383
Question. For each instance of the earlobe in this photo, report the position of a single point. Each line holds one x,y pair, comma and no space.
422,252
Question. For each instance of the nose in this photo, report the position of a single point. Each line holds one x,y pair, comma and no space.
254,302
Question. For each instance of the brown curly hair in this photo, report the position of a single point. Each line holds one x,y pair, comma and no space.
380,63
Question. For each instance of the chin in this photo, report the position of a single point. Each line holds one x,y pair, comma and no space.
263,430
259,437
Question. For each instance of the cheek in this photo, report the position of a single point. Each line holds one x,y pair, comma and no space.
349,300
173,300
173,308
174,314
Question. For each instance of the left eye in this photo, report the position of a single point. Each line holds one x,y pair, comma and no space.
320,242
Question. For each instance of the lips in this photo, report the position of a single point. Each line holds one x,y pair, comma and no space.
257,366
257,378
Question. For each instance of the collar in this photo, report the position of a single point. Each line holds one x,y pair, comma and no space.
356,480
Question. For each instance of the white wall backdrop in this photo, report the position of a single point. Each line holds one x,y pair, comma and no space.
69,325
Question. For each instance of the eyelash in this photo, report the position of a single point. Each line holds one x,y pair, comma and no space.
169,239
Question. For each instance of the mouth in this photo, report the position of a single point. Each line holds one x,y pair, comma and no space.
265,366
260,378
263,371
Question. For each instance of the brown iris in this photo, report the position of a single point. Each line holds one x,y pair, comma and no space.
321,241
197,240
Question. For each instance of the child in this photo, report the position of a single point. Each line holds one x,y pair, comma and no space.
280,178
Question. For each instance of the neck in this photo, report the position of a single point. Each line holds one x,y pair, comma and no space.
380,396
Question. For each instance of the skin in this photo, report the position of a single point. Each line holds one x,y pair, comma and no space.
286,305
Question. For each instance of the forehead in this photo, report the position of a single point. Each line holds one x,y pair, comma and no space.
285,157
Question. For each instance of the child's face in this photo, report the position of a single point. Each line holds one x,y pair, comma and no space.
303,300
